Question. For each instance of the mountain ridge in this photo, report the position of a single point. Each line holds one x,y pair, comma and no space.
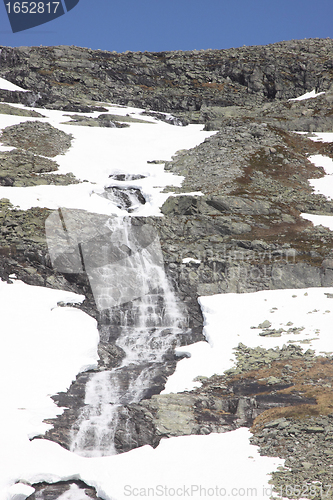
169,81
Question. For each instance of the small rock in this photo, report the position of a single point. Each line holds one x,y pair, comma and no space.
265,324
314,429
307,465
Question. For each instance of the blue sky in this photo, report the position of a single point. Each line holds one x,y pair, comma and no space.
157,25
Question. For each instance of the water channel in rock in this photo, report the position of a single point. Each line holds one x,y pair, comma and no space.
132,287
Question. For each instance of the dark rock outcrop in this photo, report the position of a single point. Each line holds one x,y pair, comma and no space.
45,491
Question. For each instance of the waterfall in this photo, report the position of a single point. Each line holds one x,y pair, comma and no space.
128,198
136,291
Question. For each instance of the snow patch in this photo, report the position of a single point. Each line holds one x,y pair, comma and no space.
308,95
232,318
188,260
6,85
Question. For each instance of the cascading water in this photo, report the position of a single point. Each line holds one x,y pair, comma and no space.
136,290
129,199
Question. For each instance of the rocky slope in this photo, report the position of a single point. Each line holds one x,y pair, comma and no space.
244,234
73,78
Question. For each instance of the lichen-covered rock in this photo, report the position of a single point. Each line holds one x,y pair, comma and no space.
37,137
6,109
20,168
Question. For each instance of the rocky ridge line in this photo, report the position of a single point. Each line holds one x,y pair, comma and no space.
73,78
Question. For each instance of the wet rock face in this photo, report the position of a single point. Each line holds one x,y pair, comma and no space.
279,393
44,491
128,198
248,395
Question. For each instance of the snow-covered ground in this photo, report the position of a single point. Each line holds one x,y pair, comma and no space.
43,345
323,185
307,95
99,152
233,318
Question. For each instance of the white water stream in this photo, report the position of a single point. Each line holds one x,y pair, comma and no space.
149,326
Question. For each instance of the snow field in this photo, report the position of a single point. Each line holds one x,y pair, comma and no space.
98,152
